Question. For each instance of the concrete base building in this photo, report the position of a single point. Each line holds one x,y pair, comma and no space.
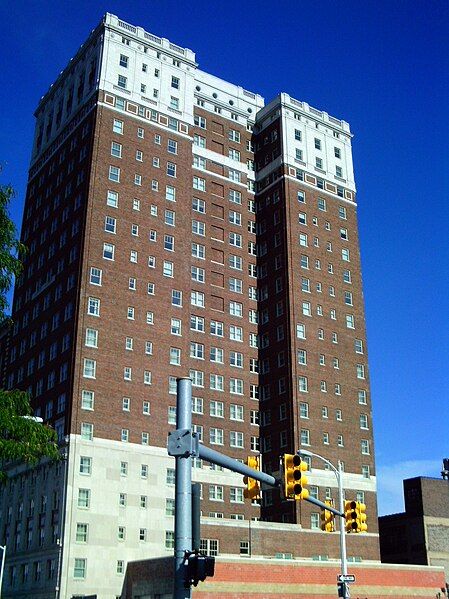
178,226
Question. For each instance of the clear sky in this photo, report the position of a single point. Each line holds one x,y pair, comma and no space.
381,65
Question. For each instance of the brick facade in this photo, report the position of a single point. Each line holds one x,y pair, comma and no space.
276,579
179,227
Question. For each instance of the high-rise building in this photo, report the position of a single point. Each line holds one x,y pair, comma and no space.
177,226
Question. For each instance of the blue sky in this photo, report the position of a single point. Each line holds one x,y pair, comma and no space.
383,66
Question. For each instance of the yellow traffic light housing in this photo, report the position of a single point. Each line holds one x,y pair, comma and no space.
328,518
361,517
294,479
350,516
252,490
355,516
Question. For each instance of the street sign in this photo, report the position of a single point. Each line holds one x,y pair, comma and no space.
345,578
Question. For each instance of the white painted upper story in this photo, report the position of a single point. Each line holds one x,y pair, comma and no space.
140,67
313,141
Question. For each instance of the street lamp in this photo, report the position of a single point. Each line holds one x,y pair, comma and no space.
341,506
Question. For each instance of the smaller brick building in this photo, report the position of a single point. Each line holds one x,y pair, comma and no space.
420,535
279,578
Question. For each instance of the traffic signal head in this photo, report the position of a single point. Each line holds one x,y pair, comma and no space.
355,516
294,478
252,490
351,516
361,517
328,519
198,567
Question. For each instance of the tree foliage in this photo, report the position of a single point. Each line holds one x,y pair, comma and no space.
10,248
21,437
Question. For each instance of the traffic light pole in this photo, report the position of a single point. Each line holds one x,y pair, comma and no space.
343,587
215,457
183,487
343,557
183,444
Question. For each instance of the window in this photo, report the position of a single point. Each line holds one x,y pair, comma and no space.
122,81
303,410
216,436
234,135
350,324
236,439
85,465
176,297
87,431
169,243
216,355
303,239
197,377
360,368
108,251
236,333
364,447
171,169
91,338
81,533
200,121
236,494
87,400
235,196
306,309
235,240
83,498
364,421
236,412
236,386
362,397
199,141
216,409
197,299
236,359
116,149
79,568
216,493
217,382
305,437
314,520
216,328
89,368
302,384
117,127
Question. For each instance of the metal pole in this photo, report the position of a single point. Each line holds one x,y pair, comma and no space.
215,457
183,491
3,548
196,519
341,505
344,561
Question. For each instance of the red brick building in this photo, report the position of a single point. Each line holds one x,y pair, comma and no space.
420,534
276,579
178,226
